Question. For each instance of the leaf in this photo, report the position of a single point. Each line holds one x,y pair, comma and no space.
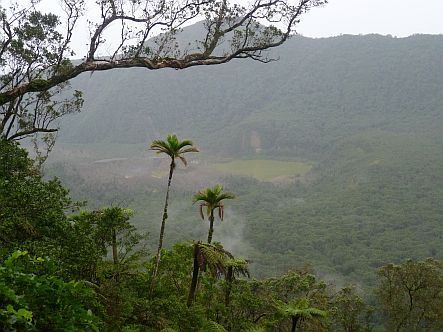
212,326
25,314
15,255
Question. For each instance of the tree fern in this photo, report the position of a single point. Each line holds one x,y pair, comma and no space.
212,326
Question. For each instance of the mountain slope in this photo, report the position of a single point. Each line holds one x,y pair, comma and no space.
319,91
365,112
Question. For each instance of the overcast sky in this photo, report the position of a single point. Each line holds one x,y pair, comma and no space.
399,18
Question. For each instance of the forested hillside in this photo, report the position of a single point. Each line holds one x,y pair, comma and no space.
363,113
319,91
299,192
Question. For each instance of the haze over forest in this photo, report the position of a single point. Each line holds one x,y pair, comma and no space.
165,181
356,121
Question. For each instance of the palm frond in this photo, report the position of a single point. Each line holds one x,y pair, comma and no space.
224,196
191,149
220,212
158,143
212,326
300,308
213,256
217,189
173,147
173,140
256,329
212,197
240,267
212,260
198,197
220,248
161,147
314,312
201,212
185,142
183,160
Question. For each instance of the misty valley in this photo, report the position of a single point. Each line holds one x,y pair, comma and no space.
336,165
178,185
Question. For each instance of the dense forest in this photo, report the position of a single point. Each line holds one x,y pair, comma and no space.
365,125
300,194
90,271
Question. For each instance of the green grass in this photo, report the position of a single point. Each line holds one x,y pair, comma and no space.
263,170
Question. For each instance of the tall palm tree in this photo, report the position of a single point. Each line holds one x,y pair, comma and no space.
299,310
175,149
212,198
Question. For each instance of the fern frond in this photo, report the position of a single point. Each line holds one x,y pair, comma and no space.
212,326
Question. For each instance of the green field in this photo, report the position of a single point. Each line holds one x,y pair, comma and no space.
264,170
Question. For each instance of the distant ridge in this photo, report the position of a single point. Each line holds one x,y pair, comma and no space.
318,91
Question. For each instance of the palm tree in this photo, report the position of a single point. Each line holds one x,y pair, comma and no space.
210,257
299,310
212,198
175,149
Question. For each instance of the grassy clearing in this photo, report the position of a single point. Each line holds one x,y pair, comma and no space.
263,170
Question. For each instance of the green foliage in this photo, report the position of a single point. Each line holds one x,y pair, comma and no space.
30,208
32,298
212,199
90,236
33,50
411,295
296,108
256,304
350,312
370,126
207,257
375,199
299,310
212,326
372,196
174,148
165,306
264,170
34,295
85,290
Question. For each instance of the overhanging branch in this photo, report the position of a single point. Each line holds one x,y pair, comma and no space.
41,64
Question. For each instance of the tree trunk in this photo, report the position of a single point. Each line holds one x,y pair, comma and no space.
294,323
194,281
162,228
229,279
114,247
211,226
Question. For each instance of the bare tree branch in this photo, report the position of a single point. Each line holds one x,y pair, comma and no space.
34,54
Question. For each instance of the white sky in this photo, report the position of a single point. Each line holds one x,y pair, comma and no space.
399,18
